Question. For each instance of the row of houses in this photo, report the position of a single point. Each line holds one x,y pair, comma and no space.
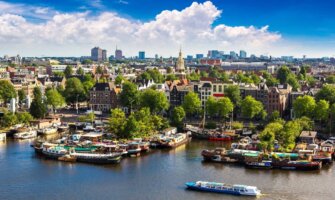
104,96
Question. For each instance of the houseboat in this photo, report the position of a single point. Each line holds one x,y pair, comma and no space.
325,153
2,136
174,141
220,137
63,127
25,134
49,131
144,145
88,127
218,155
296,165
242,144
134,149
264,164
97,158
53,152
223,188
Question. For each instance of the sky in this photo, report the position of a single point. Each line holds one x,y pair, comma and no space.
261,27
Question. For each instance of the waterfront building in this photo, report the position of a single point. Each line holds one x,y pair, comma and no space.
103,97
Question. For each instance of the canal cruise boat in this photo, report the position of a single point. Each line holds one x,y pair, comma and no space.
223,188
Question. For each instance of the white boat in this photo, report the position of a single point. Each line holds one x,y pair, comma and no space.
88,127
223,188
26,134
50,130
2,136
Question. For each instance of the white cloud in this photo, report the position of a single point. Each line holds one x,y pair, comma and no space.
76,33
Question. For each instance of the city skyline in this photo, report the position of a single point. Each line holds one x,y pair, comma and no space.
44,28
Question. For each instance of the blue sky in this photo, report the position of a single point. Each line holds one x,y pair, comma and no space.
303,26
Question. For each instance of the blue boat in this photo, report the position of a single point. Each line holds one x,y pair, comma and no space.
223,188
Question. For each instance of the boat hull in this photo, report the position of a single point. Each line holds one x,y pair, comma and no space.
107,160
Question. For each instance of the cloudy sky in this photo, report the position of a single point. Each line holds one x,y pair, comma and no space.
73,27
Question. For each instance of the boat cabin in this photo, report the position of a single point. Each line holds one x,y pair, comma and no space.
92,136
308,137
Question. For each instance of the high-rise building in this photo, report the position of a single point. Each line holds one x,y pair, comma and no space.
104,55
199,56
118,54
98,54
243,54
233,55
214,54
141,55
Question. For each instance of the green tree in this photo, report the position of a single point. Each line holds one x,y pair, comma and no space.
74,90
275,115
321,110
129,96
24,117
87,62
169,70
224,107
38,107
330,79
58,74
119,79
192,103
292,80
55,99
22,95
193,76
178,115
99,70
211,106
9,119
88,82
203,74
117,122
156,76
80,71
250,107
304,106
68,71
237,125
7,91
283,74
327,92
153,99
90,117
233,93
171,77
145,76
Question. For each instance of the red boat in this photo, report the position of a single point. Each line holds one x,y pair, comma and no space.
220,137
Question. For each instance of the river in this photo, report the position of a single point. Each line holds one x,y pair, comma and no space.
157,175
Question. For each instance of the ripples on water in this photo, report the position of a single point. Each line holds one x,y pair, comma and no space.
160,174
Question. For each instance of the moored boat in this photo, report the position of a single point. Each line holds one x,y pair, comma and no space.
97,158
53,152
2,136
26,134
265,164
49,131
134,149
223,188
220,137
218,155
68,158
174,140
296,165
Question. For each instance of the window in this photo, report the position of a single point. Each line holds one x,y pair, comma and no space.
220,88
214,88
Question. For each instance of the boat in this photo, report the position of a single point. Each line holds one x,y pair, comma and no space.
26,134
49,131
2,136
325,153
53,152
223,188
174,140
144,145
264,164
220,137
63,128
242,144
296,165
68,158
97,158
218,155
134,149
88,127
